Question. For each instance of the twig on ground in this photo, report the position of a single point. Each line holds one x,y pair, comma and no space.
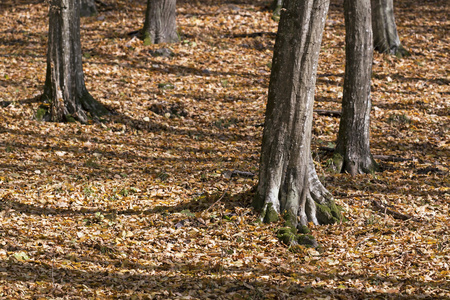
393,213
221,197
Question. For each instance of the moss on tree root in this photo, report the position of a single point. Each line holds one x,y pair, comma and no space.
270,214
329,214
289,236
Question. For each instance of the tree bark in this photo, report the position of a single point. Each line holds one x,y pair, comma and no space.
276,6
353,144
160,22
88,8
64,84
385,35
288,183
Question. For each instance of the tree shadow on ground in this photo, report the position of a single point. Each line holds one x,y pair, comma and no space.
185,277
202,203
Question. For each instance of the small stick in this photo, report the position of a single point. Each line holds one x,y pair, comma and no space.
221,197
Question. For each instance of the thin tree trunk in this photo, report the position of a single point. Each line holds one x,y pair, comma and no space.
385,35
88,8
276,6
64,84
160,22
353,149
288,183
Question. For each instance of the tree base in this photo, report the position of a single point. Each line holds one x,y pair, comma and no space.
342,164
86,108
318,207
290,237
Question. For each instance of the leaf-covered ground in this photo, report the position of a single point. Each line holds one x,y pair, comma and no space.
139,206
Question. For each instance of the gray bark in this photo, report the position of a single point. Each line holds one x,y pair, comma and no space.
288,183
64,84
277,5
385,35
88,8
160,22
353,138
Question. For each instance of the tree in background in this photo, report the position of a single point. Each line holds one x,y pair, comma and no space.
88,8
276,7
288,183
385,35
160,22
64,88
353,150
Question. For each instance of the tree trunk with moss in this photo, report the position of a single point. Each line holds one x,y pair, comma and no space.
88,8
64,88
353,144
385,35
160,22
276,7
288,183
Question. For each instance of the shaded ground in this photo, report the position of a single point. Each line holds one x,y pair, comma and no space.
129,208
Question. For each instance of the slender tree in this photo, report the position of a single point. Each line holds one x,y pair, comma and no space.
160,22
276,6
88,8
288,183
64,84
353,149
385,35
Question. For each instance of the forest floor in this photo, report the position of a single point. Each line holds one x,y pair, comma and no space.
139,205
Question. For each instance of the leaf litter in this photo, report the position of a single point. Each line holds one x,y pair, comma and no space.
144,204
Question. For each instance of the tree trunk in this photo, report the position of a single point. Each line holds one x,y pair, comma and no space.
276,7
88,8
288,183
385,35
160,22
64,84
353,150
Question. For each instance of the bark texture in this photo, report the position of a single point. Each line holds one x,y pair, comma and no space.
288,183
276,6
64,84
385,35
88,8
353,147
160,22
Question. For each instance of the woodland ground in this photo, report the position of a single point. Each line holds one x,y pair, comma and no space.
125,208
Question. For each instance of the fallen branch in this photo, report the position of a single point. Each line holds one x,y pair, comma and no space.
328,113
390,158
229,174
393,213
327,149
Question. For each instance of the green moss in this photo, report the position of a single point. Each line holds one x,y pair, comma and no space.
304,229
41,112
328,214
286,235
402,52
290,220
307,240
70,119
338,162
147,41
270,214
